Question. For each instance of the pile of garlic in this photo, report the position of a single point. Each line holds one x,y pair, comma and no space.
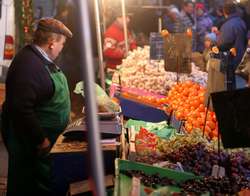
138,71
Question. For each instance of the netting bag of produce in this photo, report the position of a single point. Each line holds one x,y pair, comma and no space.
103,99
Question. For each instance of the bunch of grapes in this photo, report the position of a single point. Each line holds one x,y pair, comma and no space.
215,186
173,144
153,180
150,159
239,166
197,158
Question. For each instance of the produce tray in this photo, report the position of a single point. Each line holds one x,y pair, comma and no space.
123,182
139,111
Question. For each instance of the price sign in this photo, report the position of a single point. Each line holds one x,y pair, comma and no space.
177,52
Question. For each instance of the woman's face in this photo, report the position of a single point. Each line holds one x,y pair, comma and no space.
207,43
199,12
120,20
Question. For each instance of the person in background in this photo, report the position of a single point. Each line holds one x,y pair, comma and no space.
187,18
187,14
36,109
172,20
204,25
232,34
114,49
217,16
209,42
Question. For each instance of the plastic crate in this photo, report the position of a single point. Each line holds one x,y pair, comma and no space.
123,182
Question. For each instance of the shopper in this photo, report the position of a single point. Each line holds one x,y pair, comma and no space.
114,49
209,42
172,20
204,25
187,14
217,16
36,109
232,34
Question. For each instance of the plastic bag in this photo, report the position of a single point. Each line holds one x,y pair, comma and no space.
103,99
243,69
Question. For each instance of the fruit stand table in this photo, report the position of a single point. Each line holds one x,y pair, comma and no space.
69,162
139,111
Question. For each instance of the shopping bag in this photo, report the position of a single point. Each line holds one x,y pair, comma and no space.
216,79
103,99
243,69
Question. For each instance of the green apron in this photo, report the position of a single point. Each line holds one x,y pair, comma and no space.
29,172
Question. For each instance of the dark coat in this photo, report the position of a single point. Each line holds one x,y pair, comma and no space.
233,34
28,84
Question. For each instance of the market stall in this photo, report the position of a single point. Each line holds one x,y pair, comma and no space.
154,133
187,139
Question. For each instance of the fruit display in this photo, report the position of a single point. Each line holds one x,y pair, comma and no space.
150,180
197,158
138,71
160,129
187,101
215,186
150,159
171,145
182,140
144,98
211,185
145,142
200,160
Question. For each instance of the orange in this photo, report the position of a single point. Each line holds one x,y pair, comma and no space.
189,32
202,99
211,124
188,127
195,104
215,50
164,33
233,51
207,129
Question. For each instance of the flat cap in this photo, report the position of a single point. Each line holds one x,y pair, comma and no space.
54,26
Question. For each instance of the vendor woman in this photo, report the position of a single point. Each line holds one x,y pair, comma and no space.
36,109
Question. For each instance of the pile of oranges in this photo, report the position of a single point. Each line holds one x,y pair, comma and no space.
150,100
187,101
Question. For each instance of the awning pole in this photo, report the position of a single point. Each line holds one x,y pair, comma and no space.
99,43
125,27
95,156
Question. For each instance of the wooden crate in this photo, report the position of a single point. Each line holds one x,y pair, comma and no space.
81,187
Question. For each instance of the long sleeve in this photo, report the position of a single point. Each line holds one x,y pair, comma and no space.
112,50
23,115
28,84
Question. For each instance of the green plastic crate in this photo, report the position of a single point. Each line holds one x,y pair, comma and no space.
123,182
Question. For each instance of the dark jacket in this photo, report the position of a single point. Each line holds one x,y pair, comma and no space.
204,25
233,34
28,84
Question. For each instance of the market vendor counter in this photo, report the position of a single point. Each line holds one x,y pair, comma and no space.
139,111
69,162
